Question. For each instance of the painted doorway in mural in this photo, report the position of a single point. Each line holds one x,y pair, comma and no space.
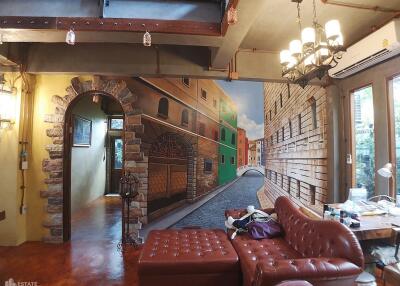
168,175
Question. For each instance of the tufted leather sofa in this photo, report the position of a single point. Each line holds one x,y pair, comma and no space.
325,253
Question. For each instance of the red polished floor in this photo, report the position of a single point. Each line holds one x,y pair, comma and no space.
90,258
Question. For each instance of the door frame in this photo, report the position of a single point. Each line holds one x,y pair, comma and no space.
67,156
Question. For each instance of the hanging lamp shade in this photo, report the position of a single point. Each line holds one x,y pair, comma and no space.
295,48
308,36
285,57
332,29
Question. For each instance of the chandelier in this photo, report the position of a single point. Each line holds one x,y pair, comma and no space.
319,50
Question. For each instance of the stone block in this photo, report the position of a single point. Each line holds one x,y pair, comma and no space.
134,119
58,100
53,239
54,209
53,118
77,85
132,148
135,156
53,220
47,193
51,165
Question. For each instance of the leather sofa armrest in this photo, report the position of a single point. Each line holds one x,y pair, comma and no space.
271,272
237,213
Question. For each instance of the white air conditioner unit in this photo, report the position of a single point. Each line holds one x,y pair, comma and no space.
373,49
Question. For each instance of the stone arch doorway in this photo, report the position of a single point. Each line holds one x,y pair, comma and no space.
170,172
57,166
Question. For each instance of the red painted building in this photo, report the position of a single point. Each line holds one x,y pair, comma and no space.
242,148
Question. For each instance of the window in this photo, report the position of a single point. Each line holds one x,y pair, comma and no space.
223,134
283,134
290,128
222,159
116,123
276,108
233,160
270,115
298,189
214,103
312,195
277,136
364,141
394,88
185,118
216,137
281,100
314,113
186,81
202,129
118,153
299,123
272,139
288,90
233,139
288,184
208,164
163,107
203,94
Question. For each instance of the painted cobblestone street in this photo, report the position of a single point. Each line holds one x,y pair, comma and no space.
241,194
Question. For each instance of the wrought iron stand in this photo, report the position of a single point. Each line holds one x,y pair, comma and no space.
129,185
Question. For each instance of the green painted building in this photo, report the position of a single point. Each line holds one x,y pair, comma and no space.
228,142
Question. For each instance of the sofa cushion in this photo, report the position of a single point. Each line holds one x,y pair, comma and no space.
252,251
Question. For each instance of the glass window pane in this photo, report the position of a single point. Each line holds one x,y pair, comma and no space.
117,123
118,153
363,116
396,105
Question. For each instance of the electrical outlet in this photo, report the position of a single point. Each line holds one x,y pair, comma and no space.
24,165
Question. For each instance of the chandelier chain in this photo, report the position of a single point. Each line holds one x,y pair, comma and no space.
298,15
315,13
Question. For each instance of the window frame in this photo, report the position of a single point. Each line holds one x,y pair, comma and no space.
111,117
186,123
183,81
391,132
203,91
162,115
208,160
352,147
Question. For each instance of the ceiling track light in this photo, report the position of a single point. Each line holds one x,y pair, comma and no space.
319,50
70,38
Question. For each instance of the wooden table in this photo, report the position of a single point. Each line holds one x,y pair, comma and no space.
376,227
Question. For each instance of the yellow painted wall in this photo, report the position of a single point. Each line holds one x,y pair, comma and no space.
12,229
46,86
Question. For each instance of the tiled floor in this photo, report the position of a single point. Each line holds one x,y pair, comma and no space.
91,258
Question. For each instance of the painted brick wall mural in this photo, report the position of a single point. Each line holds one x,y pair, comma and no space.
296,144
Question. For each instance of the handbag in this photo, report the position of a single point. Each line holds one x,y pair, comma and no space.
264,229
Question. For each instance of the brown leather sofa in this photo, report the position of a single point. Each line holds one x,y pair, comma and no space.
325,253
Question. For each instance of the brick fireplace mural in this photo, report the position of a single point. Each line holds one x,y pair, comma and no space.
171,143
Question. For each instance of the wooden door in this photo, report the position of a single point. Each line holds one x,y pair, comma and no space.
116,164
167,173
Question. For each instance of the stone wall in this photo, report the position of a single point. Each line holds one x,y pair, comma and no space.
296,144
53,166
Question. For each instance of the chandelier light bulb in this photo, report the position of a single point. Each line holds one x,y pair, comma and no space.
147,39
70,37
285,57
292,62
232,16
332,29
308,36
295,48
310,60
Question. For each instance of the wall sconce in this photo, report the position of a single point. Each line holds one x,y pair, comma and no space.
7,105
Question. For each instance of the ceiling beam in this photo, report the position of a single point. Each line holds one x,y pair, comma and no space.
110,24
137,60
248,11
